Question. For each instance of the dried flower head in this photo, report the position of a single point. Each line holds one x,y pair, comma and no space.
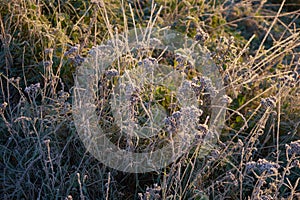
186,85
203,131
203,128
289,80
198,89
176,115
201,35
33,89
14,80
296,163
171,124
101,51
148,64
111,73
180,58
63,96
188,67
191,113
293,148
151,193
77,60
205,83
132,93
269,102
134,98
72,50
250,166
263,165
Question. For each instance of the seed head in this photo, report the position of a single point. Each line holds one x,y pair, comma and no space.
263,165
112,73
32,89
201,35
148,64
293,148
72,50
176,115
269,102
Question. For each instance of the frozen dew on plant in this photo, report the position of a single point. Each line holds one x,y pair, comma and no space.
145,74
191,113
180,58
185,91
190,116
176,115
148,64
293,148
201,35
117,44
202,132
102,51
151,193
63,96
130,91
47,63
33,88
203,128
73,50
187,116
262,165
48,51
154,42
171,124
289,80
116,133
73,55
77,60
269,102
204,83
111,73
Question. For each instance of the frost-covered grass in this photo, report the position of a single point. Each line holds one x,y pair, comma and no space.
255,46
